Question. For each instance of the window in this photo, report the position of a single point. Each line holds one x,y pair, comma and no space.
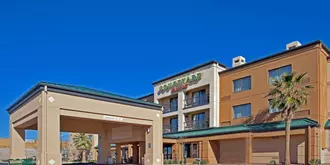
272,110
195,151
242,84
187,150
242,111
174,125
275,74
167,151
198,117
174,104
199,97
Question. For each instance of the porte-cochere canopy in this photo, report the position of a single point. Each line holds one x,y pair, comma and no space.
51,108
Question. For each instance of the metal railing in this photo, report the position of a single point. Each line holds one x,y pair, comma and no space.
196,124
196,101
170,128
170,108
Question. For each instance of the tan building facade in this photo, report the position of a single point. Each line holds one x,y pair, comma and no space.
210,112
248,131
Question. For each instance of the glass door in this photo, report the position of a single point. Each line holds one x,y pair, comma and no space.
174,125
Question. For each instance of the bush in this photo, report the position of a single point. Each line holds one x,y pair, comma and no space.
203,161
170,161
165,161
314,162
272,162
195,162
175,161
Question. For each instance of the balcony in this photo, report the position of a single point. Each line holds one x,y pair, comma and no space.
196,101
170,128
196,124
170,108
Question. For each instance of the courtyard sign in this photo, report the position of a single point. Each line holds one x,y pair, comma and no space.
180,84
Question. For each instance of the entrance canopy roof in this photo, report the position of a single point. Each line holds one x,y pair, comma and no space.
82,92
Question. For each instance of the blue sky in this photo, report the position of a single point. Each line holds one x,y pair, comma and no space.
123,46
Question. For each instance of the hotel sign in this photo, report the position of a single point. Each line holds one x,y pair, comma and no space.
113,118
180,84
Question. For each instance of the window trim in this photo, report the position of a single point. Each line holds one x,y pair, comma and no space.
242,79
268,75
233,110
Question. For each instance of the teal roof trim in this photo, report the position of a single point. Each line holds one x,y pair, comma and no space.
80,90
263,127
327,124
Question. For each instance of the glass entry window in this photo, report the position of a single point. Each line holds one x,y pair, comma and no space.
167,149
191,150
174,125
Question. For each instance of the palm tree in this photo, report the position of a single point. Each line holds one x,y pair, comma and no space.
288,95
82,143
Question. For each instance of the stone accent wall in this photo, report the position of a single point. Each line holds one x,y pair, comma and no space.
5,153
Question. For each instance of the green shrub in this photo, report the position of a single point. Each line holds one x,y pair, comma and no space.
170,161
272,162
165,161
203,161
314,162
175,161
195,162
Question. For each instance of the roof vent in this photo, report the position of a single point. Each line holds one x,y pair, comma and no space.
293,45
239,60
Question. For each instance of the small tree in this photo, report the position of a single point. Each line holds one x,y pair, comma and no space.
288,95
83,144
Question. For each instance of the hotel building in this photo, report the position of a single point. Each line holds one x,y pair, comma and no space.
222,115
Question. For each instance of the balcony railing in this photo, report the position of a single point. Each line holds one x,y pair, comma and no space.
170,128
196,101
170,108
196,124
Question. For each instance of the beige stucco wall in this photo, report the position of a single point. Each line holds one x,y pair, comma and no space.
266,149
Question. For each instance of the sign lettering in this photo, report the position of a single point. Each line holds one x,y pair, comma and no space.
180,84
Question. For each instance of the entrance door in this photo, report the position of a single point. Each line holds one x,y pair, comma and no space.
167,151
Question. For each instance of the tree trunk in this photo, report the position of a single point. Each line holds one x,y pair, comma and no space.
287,142
83,156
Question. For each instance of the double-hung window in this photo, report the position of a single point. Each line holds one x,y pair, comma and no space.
243,110
242,84
275,74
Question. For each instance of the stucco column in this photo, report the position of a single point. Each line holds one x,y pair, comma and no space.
181,118
104,148
17,142
214,98
48,134
118,153
248,150
154,144
142,150
135,154
129,150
